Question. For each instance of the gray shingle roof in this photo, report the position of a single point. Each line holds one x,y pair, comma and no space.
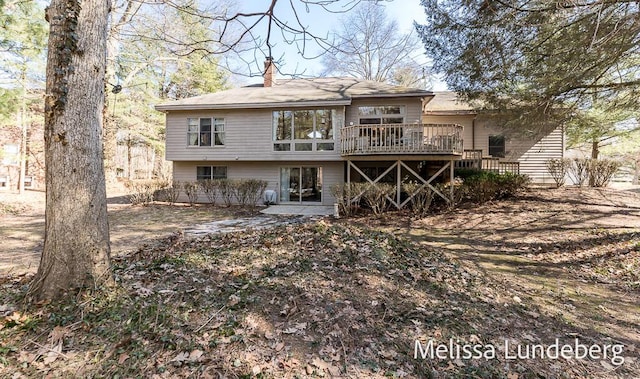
294,92
448,102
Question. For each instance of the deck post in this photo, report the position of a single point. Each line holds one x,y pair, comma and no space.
347,190
398,184
451,181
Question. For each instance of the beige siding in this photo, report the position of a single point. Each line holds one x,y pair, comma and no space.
532,154
413,108
332,173
465,120
248,137
533,158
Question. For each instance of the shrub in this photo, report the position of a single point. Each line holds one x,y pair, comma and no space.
375,196
422,197
601,171
141,192
191,190
348,196
225,188
558,170
210,189
489,185
247,191
166,191
578,171
256,189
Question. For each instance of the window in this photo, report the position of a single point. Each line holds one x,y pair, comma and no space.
11,155
211,172
304,130
205,131
381,115
497,146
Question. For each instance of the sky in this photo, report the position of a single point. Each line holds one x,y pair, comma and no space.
320,22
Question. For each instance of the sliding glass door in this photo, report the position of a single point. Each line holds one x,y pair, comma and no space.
301,184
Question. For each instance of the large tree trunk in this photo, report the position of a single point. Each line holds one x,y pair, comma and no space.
76,246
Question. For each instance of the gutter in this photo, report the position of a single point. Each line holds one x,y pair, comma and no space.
288,104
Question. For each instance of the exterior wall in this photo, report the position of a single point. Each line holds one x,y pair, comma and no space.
413,108
465,120
533,158
248,136
332,173
532,154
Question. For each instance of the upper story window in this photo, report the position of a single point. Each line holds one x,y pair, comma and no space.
497,146
205,131
304,130
372,115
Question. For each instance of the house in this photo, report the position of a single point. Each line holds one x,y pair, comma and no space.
304,136
11,139
490,146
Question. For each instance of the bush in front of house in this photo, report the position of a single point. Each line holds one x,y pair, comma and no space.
141,191
210,189
421,197
558,169
578,171
348,196
191,190
483,186
596,172
375,196
601,171
167,191
248,191
225,189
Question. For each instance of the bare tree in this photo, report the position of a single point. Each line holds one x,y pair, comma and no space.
369,45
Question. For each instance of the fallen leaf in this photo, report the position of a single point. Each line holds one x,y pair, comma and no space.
334,370
607,365
50,357
319,363
195,355
123,357
181,357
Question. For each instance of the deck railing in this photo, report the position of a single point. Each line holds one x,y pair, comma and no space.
401,139
473,159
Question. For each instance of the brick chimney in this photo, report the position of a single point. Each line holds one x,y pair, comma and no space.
269,79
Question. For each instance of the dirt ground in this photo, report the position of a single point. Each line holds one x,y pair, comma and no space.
22,226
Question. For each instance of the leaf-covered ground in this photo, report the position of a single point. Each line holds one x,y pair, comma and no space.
345,298
22,225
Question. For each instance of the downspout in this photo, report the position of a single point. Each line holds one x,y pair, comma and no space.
473,134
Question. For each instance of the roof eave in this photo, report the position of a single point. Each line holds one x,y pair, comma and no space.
407,94
293,104
451,113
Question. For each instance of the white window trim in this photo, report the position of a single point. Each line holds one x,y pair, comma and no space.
402,114
213,132
313,141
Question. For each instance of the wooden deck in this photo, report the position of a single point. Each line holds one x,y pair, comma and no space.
473,159
401,139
